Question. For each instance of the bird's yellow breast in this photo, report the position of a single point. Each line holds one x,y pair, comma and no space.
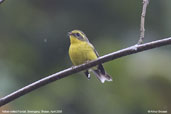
81,51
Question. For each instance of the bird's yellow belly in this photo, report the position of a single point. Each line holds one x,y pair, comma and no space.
80,53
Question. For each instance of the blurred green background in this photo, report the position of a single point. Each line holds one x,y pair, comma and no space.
34,44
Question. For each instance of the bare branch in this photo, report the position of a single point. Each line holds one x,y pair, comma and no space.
142,28
69,71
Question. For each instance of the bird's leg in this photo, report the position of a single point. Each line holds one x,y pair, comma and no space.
87,61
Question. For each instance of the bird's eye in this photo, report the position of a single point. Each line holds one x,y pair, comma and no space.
77,34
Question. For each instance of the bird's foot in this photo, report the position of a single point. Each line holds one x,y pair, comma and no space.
73,67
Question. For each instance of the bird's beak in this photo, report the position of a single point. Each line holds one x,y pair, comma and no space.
69,33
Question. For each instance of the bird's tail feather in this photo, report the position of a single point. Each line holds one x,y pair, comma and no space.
101,76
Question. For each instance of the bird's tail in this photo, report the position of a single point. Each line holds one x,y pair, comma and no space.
102,76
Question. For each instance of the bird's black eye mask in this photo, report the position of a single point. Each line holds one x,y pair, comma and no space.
79,36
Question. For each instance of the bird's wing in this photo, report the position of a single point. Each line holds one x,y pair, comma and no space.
100,66
94,49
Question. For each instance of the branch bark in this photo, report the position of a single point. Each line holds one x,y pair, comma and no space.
69,71
142,28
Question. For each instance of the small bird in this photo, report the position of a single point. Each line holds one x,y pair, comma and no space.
82,51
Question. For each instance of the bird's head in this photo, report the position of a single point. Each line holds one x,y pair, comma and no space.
77,35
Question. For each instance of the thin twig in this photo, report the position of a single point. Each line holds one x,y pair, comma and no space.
69,71
142,28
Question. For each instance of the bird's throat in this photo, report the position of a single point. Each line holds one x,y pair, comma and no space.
74,40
